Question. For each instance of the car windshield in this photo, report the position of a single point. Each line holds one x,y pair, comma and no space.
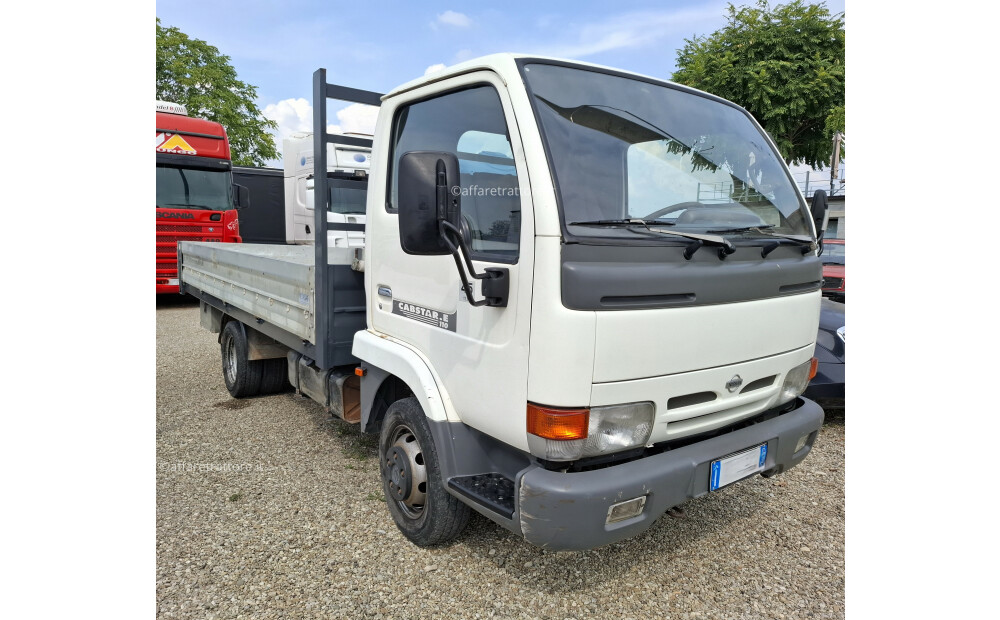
191,188
623,149
833,253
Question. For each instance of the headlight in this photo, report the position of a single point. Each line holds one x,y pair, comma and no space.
840,333
567,435
796,380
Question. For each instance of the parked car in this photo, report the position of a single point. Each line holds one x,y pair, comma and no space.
833,269
827,387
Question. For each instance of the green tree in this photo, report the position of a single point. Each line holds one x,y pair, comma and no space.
785,65
193,73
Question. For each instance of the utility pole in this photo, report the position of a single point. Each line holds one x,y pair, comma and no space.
835,160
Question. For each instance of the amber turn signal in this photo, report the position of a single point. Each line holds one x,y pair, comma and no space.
813,366
558,424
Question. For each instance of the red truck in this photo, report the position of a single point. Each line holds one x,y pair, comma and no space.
196,199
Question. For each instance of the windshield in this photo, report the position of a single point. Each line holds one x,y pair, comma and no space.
626,149
189,188
348,197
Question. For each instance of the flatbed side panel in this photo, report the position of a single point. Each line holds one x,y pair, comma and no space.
289,340
274,283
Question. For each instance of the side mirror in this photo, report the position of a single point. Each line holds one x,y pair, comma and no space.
820,212
429,193
310,192
242,196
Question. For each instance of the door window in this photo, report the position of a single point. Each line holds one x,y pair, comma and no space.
470,124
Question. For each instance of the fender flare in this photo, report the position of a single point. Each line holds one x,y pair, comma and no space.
392,357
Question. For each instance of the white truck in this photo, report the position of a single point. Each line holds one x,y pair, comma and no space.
348,157
585,296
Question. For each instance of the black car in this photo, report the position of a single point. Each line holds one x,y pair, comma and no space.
827,387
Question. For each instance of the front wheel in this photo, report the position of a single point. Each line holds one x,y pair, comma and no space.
411,477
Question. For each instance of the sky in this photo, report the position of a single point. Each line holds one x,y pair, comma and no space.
276,46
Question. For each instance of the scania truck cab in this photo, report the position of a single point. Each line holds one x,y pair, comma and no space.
195,196
588,296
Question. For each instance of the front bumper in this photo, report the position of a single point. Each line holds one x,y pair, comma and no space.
568,511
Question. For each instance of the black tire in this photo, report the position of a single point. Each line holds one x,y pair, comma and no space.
425,513
245,377
242,377
273,375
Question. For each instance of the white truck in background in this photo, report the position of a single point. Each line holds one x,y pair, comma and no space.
348,161
587,296
283,197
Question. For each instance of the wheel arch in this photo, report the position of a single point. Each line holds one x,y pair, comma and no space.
393,371
226,320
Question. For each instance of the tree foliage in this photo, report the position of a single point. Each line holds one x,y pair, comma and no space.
785,65
193,73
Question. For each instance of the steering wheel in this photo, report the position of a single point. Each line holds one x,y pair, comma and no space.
467,231
680,206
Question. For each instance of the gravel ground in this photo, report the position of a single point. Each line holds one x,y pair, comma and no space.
268,508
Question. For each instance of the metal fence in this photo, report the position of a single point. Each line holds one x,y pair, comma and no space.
811,180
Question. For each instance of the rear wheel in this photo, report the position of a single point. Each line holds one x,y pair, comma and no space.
411,477
245,377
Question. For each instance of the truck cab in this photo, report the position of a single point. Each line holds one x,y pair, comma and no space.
195,196
661,273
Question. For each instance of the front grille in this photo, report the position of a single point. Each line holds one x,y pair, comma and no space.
166,266
172,239
191,229
833,282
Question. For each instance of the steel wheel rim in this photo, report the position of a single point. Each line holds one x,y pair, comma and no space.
231,361
409,447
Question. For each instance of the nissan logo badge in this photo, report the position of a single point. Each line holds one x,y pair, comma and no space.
734,384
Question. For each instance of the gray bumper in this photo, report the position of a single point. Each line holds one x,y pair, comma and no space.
568,511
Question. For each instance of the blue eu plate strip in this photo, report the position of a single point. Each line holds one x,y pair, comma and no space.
763,454
716,471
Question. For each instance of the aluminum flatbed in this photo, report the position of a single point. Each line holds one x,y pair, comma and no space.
272,288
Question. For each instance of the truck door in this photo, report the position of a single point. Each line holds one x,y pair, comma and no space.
480,353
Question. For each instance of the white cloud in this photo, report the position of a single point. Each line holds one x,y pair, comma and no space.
451,18
358,118
296,115
292,115
434,68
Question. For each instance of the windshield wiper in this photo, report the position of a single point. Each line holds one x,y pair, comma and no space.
725,247
743,229
192,206
806,243
623,222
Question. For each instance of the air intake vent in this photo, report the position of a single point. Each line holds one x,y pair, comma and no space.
758,384
690,399
644,301
800,287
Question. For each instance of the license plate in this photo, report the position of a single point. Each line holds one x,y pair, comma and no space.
737,466
173,282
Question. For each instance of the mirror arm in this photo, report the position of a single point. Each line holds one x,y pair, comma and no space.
496,284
